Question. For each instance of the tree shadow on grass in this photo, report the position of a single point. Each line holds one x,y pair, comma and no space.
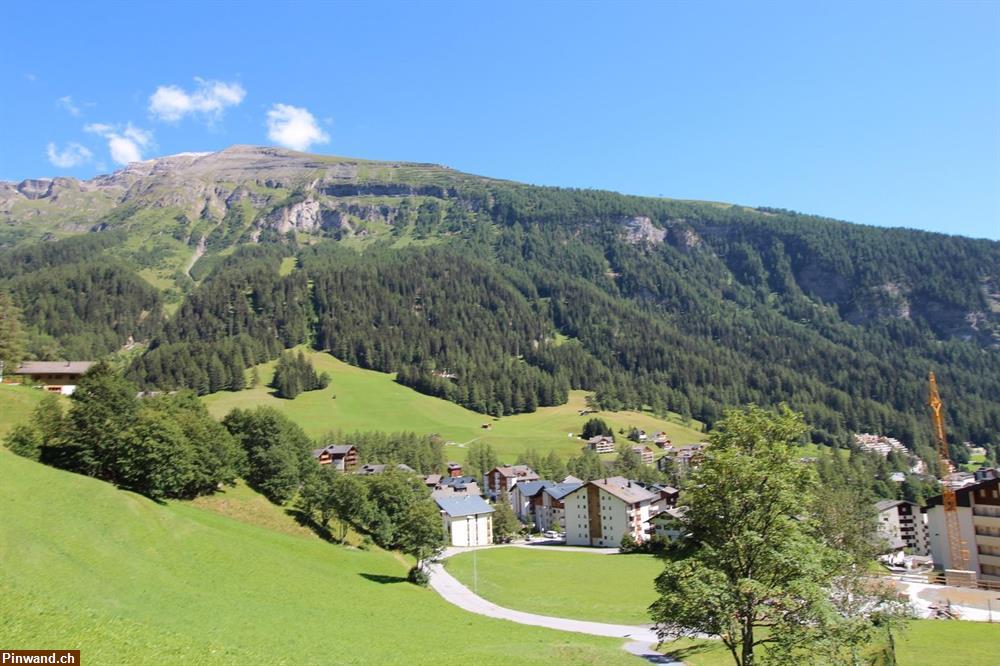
305,521
699,648
382,579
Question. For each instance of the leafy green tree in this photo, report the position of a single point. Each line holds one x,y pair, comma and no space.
317,497
218,457
277,450
422,536
505,522
104,407
754,558
392,493
25,440
155,458
50,419
351,503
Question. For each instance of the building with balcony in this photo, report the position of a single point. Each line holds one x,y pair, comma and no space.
979,527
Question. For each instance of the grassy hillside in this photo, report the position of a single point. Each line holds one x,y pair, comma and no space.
16,405
583,586
367,400
127,580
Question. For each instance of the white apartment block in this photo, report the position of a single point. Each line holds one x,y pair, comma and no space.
600,512
903,525
979,526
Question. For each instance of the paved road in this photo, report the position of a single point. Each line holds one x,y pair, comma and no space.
642,639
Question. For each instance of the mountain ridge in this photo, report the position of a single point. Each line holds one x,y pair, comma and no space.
693,306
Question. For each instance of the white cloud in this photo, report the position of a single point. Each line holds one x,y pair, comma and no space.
294,127
67,103
72,155
171,103
124,145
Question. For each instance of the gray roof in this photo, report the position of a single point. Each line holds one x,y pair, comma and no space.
334,449
532,488
622,488
53,367
559,490
457,480
468,505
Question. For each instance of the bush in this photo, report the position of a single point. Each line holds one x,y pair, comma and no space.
418,576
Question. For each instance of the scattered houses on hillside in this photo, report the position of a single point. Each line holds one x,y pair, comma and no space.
682,458
600,512
467,520
500,480
54,376
343,457
883,445
645,454
601,444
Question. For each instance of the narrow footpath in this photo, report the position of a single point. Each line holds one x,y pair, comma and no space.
642,639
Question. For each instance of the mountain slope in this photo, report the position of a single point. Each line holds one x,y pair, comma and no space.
130,581
502,297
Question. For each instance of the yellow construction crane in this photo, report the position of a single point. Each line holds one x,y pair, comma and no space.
956,545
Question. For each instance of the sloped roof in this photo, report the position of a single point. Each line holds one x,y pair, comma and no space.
467,505
334,449
559,490
53,367
624,489
532,488
885,505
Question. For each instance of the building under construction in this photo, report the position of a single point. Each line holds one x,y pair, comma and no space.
978,518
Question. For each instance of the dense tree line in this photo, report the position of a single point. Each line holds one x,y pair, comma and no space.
73,307
294,374
162,447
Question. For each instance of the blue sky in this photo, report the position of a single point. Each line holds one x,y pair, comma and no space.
877,113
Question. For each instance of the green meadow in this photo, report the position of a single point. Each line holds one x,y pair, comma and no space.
549,581
127,580
619,588
16,404
358,399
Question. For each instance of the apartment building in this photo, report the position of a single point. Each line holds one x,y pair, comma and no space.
979,526
600,512
902,525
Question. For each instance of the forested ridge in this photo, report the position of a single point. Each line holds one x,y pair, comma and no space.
503,297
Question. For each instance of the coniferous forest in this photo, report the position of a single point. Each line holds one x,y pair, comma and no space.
504,297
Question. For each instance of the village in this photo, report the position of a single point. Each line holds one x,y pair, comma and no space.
615,512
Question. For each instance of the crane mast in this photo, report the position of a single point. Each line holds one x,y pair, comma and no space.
956,546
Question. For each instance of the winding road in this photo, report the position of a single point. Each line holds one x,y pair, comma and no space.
642,639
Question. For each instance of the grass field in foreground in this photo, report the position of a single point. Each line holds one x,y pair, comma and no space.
923,642
16,405
368,400
126,580
583,586
618,588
